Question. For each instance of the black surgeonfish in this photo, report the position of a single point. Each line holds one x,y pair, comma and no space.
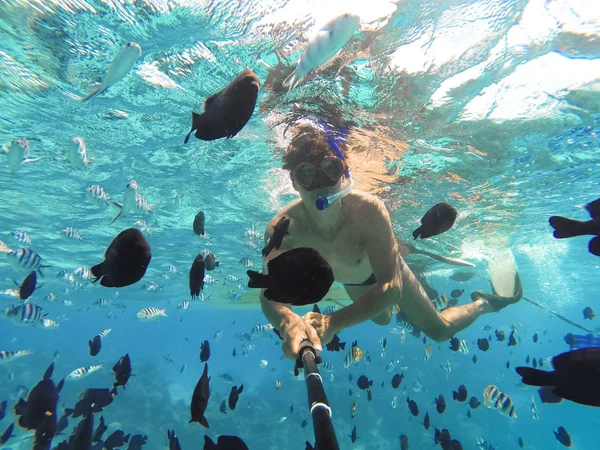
204,351
440,404
567,228
227,111
197,276
3,405
353,435
461,395
412,406
198,224
234,396
7,434
81,437
404,442
437,220
575,376
40,405
173,440
125,260
122,371
116,439
91,400
27,286
95,345
335,345
224,442
281,229
137,441
299,277
563,437
200,399
97,437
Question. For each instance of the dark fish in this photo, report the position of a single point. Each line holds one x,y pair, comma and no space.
440,404
125,260
234,396
204,351
461,395
588,313
474,359
28,286
3,409
426,421
200,399
528,359
547,395
95,345
116,439
483,344
567,228
291,408
227,111
396,380
456,293
424,339
223,407
137,441
382,383
197,276
224,443
304,423
353,435
308,446
97,437
81,437
508,364
349,377
412,406
317,310
404,442
276,238
335,345
462,276
563,437
575,376
7,434
93,400
40,407
173,440
520,442
437,220
534,363
535,338
500,335
199,224
474,403
469,415
211,261
369,395
511,339
350,392
233,353
298,277
62,424
454,344
364,383
122,371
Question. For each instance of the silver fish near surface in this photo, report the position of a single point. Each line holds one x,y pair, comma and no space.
96,193
21,236
71,233
323,47
77,153
7,356
17,154
118,69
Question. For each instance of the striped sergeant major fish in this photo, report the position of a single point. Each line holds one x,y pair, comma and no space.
209,280
185,304
150,313
327,367
101,302
131,201
234,296
264,330
49,324
83,372
231,279
246,262
25,260
494,398
21,236
28,314
82,273
168,358
71,233
7,356
226,377
105,333
353,357
97,194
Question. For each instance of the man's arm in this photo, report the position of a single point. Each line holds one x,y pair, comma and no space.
382,251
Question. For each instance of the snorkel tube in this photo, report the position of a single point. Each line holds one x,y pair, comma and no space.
324,202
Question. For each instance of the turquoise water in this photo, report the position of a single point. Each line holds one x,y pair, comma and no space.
495,103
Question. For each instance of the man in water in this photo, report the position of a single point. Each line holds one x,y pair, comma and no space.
354,234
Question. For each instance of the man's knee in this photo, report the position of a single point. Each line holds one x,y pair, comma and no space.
384,318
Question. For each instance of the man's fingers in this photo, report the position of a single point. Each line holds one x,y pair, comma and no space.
313,337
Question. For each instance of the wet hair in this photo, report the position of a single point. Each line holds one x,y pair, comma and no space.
309,144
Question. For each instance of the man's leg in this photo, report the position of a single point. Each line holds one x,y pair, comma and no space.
439,326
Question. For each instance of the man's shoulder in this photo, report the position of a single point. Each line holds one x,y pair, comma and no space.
291,210
363,203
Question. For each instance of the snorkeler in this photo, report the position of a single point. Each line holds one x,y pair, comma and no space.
352,230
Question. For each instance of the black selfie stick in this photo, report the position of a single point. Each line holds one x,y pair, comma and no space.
320,410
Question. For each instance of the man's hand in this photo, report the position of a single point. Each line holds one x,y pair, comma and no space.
293,332
321,323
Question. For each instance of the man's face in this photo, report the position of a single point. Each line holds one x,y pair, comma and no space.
320,175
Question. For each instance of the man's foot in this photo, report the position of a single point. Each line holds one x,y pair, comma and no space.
497,302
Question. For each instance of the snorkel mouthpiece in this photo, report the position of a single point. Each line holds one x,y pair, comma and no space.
322,202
